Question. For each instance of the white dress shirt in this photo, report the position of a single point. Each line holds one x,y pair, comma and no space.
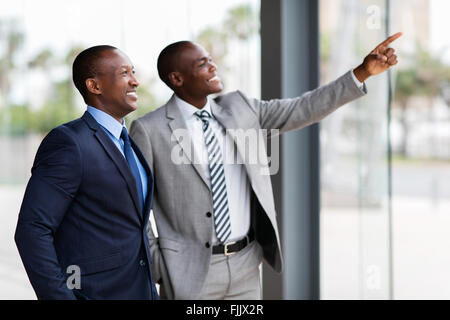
238,186
357,82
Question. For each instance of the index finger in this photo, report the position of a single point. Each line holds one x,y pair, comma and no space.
389,40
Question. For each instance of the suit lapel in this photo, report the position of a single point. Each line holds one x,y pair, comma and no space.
150,187
117,157
182,136
225,116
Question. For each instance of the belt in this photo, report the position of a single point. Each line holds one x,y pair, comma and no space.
233,247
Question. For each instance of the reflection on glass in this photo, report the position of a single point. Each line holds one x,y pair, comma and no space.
420,138
355,256
357,231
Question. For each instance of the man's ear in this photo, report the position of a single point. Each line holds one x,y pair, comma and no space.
93,86
176,79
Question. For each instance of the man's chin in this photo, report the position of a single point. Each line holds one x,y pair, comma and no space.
131,108
217,90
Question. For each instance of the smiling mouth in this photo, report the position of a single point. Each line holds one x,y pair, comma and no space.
213,79
132,94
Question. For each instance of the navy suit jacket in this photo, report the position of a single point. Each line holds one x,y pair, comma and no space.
81,207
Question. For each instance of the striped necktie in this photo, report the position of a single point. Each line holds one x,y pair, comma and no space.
218,186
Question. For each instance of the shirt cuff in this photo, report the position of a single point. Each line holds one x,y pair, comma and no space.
358,83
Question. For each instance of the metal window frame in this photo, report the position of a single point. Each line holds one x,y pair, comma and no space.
289,68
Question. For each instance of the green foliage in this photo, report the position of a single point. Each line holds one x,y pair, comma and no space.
43,59
58,109
71,54
11,40
424,76
60,106
325,47
215,42
408,84
146,102
17,117
240,24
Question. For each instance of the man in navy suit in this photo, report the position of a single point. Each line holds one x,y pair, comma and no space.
86,207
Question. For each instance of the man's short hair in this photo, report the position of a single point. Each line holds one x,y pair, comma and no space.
85,66
167,60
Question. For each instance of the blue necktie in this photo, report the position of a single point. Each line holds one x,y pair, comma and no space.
129,155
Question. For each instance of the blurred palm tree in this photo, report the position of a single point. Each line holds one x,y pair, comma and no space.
11,41
240,25
42,60
60,106
424,77
215,42
241,22
11,38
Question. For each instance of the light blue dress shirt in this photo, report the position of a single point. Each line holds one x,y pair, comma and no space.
114,129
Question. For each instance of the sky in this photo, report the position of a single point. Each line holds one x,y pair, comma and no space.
440,26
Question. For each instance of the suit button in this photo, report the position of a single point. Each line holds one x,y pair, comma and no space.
142,263
208,214
207,245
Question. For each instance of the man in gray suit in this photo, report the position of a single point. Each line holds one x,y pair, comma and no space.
215,218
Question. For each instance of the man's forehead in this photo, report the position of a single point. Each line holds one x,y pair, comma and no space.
193,51
114,59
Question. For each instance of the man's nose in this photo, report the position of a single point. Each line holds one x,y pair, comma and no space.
213,66
134,81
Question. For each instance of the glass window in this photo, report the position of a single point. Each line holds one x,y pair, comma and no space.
420,138
386,157
354,167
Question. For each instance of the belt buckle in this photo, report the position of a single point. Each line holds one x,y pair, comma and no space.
226,249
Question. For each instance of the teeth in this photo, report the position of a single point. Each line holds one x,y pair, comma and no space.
216,78
132,94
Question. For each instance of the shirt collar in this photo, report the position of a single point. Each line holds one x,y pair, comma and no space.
188,110
107,121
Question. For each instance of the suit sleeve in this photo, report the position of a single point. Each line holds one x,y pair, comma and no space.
142,139
311,107
56,176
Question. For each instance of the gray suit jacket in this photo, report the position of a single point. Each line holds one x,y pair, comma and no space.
182,196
